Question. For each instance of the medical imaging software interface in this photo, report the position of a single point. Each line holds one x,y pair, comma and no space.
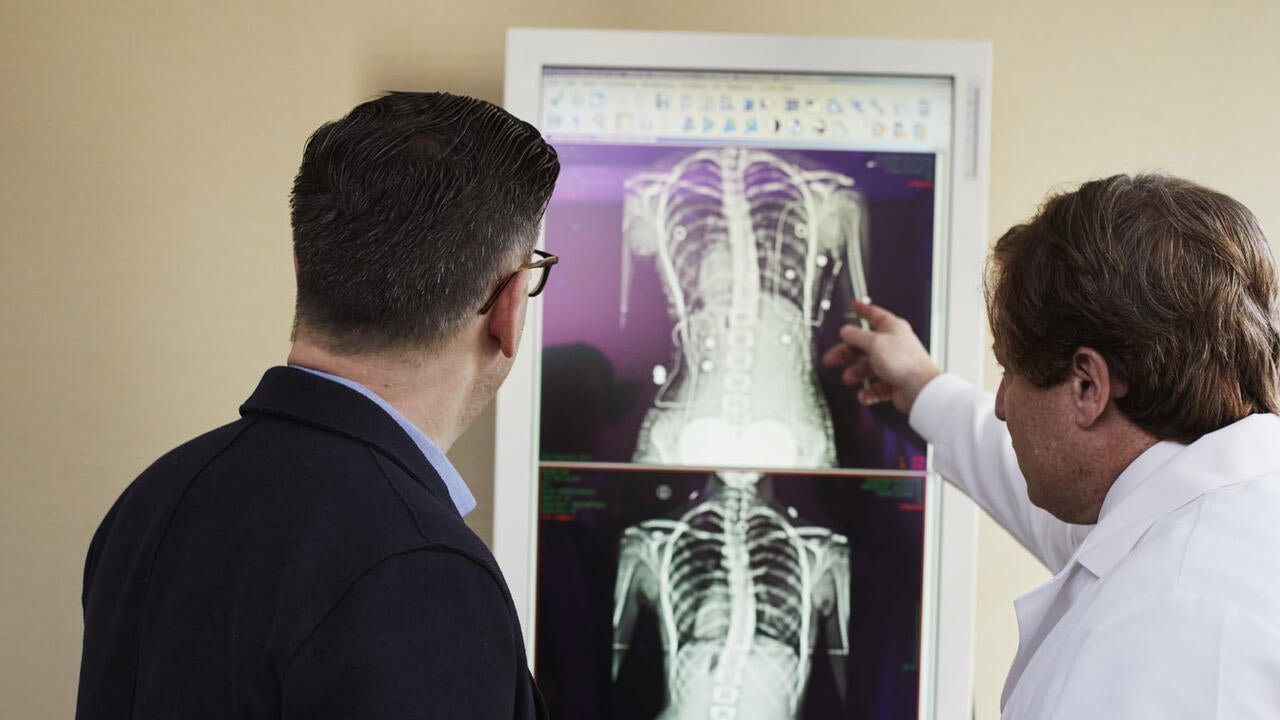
723,531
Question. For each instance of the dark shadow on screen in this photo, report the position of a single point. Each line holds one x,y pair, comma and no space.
580,401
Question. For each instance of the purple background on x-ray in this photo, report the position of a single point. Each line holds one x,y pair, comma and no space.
597,374
577,569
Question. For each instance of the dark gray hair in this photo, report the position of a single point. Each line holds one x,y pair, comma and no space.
407,213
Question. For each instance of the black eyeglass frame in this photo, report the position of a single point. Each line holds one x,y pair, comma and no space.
545,260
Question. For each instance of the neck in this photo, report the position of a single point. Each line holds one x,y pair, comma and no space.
1111,457
432,391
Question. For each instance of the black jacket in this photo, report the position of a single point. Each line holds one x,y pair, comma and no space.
303,562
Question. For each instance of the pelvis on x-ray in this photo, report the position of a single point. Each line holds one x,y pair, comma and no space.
749,247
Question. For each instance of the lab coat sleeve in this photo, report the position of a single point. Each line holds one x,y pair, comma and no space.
972,450
1183,658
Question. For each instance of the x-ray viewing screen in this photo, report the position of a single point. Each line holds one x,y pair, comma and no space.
724,531
677,594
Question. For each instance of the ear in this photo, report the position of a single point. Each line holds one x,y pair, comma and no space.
506,318
1093,387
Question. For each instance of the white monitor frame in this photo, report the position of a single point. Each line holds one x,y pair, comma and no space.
946,671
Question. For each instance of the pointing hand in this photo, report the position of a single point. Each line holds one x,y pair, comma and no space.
886,358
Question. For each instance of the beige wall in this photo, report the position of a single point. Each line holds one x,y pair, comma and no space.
146,151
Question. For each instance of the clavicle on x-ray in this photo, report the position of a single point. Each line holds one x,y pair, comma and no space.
749,247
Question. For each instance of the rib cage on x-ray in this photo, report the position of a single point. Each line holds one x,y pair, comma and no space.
749,247
741,595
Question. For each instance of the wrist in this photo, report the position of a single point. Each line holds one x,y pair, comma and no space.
911,390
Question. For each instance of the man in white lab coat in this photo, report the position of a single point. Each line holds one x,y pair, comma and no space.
1133,446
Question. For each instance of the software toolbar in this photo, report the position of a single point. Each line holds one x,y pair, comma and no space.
906,114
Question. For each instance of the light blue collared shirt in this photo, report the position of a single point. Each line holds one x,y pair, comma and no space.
458,490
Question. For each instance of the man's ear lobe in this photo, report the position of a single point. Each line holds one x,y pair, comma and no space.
505,318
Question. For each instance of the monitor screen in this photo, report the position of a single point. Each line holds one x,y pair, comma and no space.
723,531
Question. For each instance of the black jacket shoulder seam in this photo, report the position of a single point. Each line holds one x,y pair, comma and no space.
151,564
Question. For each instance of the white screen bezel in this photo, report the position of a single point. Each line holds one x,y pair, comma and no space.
946,667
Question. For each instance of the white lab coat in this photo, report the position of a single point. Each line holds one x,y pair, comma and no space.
1169,607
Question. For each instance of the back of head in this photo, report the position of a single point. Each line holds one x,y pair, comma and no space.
1173,283
407,212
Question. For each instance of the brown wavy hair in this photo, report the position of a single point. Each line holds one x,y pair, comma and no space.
1173,283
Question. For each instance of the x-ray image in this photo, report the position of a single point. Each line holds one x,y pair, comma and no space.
678,595
748,246
740,593
698,289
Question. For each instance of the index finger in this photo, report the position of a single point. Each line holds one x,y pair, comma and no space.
875,315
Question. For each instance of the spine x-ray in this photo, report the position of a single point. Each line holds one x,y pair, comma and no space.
741,594
747,245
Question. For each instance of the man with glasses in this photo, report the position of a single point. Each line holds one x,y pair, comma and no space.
310,560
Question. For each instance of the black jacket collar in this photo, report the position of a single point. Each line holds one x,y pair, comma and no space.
299,396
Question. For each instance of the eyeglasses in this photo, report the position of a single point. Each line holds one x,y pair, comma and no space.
540,263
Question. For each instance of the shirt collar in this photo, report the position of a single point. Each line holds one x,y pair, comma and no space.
1138,471
459,493
1171,478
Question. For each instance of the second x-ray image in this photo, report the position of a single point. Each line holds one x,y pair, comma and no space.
740,591
728,595
733,268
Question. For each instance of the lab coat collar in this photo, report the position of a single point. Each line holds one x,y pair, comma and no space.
1164,481
1244,449
1040,610
1142,467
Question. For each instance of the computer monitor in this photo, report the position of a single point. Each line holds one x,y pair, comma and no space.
696,518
